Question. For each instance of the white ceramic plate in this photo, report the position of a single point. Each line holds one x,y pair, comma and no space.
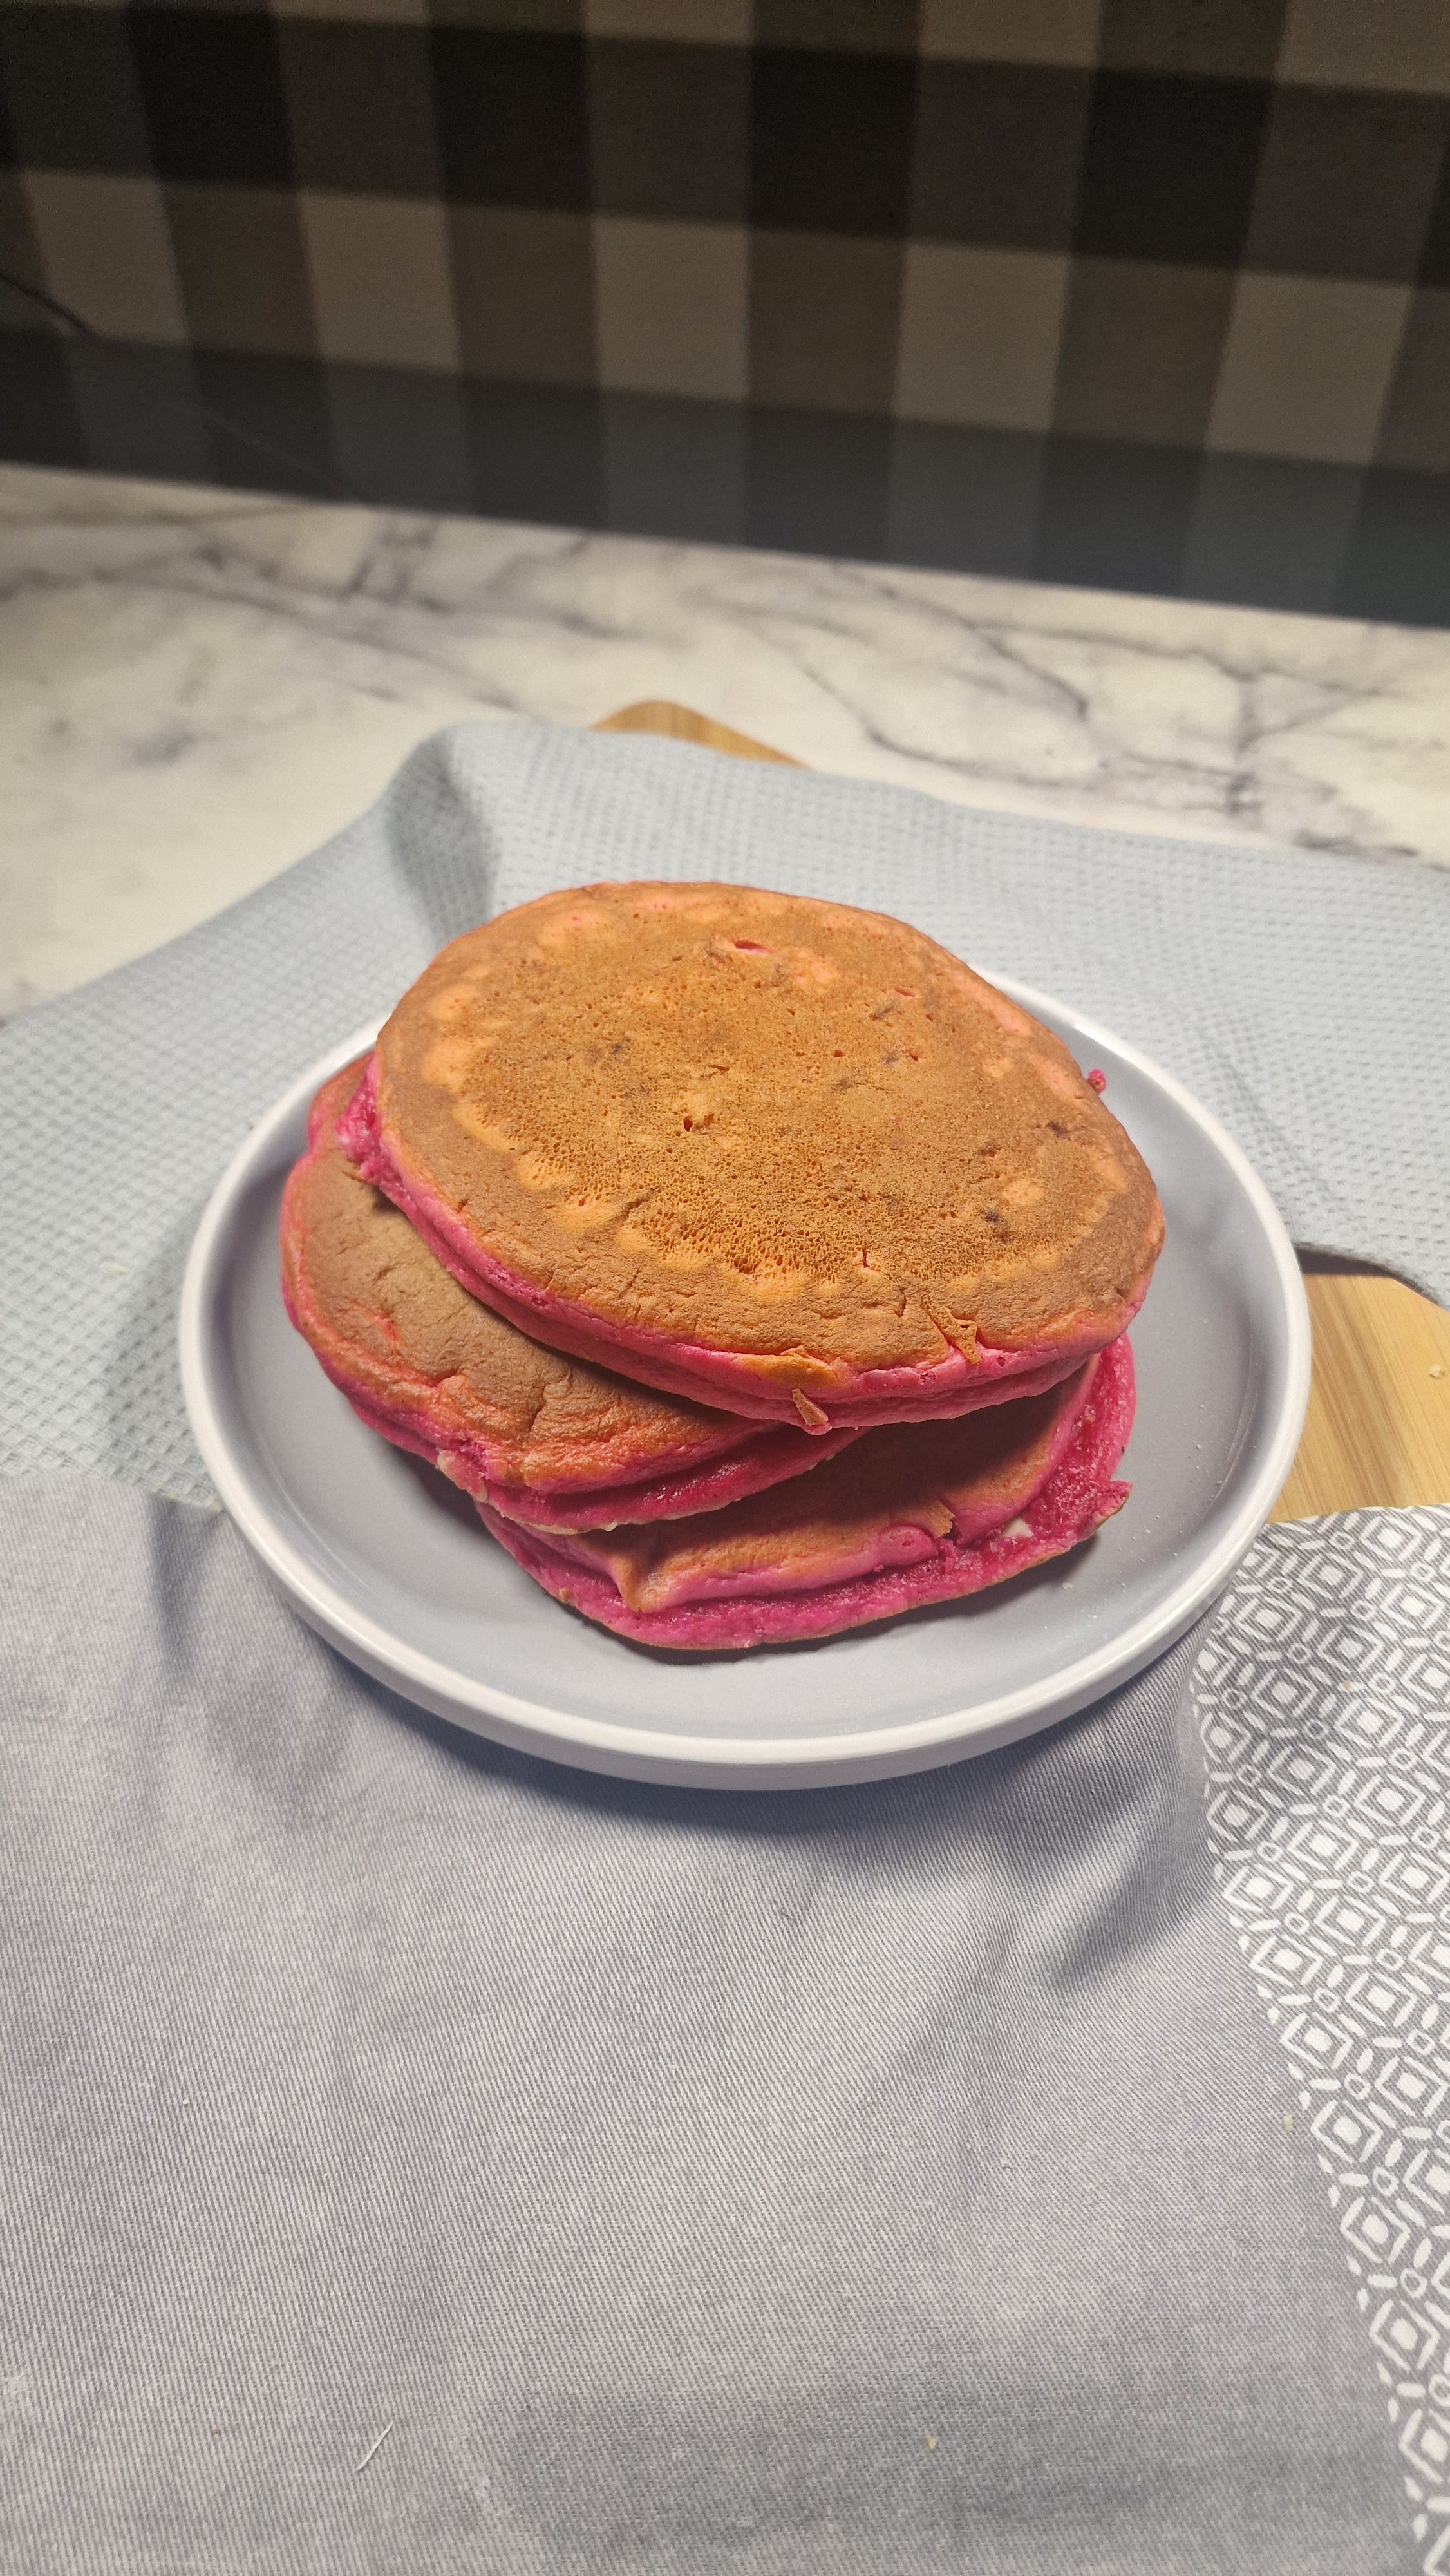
390,1564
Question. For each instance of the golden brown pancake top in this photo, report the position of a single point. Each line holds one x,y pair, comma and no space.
394,1314
766,1125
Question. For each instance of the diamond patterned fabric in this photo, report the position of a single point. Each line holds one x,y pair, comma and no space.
1323,1694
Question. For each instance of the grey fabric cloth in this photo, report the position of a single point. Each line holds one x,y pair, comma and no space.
899,2178
895,2179
1303,998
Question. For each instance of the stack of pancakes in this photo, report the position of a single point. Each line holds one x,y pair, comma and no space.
758,1269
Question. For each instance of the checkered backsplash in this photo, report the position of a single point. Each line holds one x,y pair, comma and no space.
1152,293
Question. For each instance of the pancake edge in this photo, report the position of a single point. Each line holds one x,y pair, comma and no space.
1078,1495
743,1458
760,1389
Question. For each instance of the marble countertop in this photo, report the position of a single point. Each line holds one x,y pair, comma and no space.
197,687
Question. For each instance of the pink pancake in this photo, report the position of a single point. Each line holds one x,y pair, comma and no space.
944,1389
544,1439
905,1517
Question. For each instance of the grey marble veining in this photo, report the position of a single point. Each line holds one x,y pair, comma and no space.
200,686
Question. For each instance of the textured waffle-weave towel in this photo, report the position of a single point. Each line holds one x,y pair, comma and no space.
1302,998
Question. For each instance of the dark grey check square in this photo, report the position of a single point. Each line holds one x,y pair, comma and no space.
1140,352
1169,168
675,469
243,271
1103,503
216,108
998,154
1271,533
20,256
1347,183
824,318
536,452
105,252
964,499
39,424
824,485
405,434
270,423
523,288
832,142
670,131
138,410
1395,562
1415,427
361,107
513,118
508,17
69,90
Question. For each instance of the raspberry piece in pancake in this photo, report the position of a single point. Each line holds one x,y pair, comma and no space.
546,1439
764,1152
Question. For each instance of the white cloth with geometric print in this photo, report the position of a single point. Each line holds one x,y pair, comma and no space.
1323,1693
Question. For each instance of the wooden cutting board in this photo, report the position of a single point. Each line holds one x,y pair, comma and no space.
1378,1428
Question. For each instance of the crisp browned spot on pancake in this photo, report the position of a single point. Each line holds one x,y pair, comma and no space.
782,1128
395,1315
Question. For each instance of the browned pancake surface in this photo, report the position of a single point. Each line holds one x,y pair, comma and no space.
765,1125
396,1312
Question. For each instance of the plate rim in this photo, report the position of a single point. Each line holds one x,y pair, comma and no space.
775,1762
